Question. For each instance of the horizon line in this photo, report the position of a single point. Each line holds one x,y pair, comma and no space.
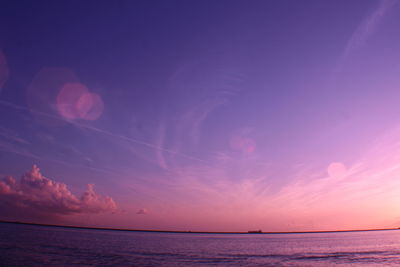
251,232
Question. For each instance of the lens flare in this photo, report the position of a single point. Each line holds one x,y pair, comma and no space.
90,106
68,99
42,93
245,145
74,101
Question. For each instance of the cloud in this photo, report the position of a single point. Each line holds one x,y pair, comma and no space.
160,139
205,90
361,193
364,31
368,26
142,211
116,139
37,196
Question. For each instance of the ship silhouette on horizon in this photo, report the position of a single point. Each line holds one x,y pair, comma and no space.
255,232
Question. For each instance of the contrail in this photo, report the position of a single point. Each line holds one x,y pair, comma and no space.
143,143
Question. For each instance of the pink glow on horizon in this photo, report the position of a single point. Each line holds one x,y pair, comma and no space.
363,195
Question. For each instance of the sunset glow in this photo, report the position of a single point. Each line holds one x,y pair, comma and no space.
201,115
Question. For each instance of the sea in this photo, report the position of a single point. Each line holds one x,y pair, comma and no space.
33,245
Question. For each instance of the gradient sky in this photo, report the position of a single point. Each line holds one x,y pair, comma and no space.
201,115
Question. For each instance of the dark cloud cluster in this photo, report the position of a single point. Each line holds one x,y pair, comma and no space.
142,211
37,196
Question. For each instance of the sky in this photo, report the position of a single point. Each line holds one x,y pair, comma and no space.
201,115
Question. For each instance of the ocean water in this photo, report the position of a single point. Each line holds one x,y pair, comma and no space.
28,245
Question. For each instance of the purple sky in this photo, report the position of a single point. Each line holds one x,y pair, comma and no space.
201,115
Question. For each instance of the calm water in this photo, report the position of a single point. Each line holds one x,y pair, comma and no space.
23,245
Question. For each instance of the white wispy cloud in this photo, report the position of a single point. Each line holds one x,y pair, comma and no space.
106,133
368,26
363,194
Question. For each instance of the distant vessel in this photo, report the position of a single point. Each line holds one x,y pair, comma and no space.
255,232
